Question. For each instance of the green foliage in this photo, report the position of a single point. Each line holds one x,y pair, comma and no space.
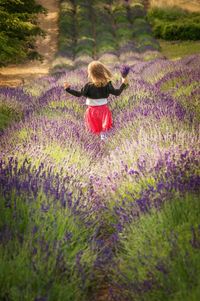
93,28
84,46
123,30
159,250
7,116
105,39
39,251
181,30
143,35
18,29
66,30
140,26
84,29
137,11
169,13
174,24
25,6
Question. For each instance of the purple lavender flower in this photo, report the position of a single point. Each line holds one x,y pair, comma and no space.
124,70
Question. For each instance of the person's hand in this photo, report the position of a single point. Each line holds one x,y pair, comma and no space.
125,80
66,85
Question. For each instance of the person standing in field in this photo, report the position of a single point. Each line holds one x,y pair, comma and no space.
98,117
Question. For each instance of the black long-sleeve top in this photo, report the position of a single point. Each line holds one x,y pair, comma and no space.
93,92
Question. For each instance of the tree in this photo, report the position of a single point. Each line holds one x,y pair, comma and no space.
18,29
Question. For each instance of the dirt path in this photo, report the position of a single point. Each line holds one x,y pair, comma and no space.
14,75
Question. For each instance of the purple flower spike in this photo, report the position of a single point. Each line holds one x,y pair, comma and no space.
124,70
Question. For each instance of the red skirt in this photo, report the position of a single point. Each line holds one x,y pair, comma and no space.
98,119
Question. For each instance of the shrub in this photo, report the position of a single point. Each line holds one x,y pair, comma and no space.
137,11
84,46
120,15
124,33
66,27
105,39
177,30
140,26
174,24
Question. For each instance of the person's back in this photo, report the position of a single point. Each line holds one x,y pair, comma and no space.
98,117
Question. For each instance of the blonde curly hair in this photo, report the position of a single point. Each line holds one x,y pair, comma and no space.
98,74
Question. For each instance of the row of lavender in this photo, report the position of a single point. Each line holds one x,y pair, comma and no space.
94,29
74,210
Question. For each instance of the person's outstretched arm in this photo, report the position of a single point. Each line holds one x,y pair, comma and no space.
76,93
118,91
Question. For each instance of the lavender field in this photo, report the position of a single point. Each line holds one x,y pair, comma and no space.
116,220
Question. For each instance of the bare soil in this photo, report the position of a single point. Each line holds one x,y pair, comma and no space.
15,75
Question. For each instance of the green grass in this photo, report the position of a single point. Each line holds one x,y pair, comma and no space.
179,49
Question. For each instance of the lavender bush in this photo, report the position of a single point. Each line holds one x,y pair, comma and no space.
81,219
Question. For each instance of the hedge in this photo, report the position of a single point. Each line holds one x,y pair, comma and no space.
174,24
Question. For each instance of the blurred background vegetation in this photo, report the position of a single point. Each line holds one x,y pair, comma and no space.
18,29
